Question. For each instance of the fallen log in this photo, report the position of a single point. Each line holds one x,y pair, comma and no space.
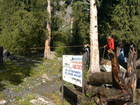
101,78
111,96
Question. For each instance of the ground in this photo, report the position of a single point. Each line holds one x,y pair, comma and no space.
31,81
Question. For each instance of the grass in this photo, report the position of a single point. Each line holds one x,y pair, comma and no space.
57,98
22,74
14,73
19,75
25,100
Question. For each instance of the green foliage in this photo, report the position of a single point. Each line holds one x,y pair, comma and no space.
22,25
120,19
81,18
25,100
60,48
60,29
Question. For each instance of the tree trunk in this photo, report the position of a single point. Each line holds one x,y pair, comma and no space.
131,71
94,48
48,36
138,63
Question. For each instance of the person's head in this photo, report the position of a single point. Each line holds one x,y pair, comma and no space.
109,37
86,45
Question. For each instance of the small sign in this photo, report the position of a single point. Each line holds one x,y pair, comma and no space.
73,69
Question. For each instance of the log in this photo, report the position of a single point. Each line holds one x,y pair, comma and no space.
111,96
108,95
101,78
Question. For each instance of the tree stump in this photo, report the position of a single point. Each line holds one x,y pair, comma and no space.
127,84
131,71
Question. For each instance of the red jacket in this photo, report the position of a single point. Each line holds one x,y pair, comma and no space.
110,44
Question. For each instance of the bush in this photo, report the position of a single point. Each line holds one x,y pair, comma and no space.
60,49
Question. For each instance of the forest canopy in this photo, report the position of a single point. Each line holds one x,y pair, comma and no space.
23,22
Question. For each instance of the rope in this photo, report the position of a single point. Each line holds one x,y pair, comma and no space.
56,47
61,47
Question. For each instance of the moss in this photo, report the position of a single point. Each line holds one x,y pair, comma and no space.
24,74
25,100
1,95
57,98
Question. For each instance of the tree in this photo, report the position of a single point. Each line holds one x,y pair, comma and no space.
119,18
21,25
94,50
80,34
48,36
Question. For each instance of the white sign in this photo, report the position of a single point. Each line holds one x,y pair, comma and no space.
73,69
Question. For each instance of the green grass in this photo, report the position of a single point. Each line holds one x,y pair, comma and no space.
21,74
15,73
50,67
25,100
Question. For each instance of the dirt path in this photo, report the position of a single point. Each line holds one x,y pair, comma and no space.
41,90
33,90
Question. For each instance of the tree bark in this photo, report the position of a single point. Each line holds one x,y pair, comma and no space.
138,63
48,36
131,71
106,78
100,78
94,48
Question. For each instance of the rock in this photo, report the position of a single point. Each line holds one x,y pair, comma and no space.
53,55
41,101
43,80
60,59
2,102
45,77
106,67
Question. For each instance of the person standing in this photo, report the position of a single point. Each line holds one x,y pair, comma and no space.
110,43
120,54
87,55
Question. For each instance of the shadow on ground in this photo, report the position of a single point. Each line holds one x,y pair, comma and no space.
15,71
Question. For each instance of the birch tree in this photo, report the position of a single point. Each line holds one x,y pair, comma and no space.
94,47
48,36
